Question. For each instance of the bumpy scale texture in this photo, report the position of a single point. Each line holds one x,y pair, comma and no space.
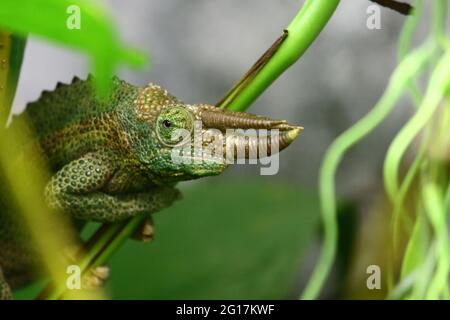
106,162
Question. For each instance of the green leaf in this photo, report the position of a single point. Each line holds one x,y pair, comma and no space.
235,240
11,55
79,24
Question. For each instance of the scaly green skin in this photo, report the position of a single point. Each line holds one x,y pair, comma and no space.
110,160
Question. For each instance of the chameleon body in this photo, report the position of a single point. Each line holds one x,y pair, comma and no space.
111,160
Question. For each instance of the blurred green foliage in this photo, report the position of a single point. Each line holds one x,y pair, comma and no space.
227,240
79,24
429,62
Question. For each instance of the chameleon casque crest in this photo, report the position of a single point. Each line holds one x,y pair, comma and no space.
110,159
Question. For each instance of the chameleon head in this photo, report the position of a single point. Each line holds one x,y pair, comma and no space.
199,140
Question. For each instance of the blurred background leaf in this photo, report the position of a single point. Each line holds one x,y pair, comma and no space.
244,241
95,34
256,234
11,55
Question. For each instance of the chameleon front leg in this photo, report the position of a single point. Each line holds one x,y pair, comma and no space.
5,290
77,190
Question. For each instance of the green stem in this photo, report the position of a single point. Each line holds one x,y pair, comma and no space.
302,31
405,44
425,270
126,230
404,188
439,18
434,204
408,30
12,48
436,90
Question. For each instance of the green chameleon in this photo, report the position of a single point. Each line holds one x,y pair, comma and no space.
111,160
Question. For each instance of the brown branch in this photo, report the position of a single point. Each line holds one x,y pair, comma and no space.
401,7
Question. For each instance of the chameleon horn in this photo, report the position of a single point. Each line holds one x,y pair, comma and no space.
251,136
222,120
244,145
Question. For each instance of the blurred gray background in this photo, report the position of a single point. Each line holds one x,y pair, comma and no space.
199,48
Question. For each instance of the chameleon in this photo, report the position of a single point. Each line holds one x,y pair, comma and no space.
111,159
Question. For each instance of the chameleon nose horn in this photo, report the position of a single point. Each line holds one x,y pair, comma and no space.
243,146
246,145
221,119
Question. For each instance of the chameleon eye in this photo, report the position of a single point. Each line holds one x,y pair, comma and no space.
174,125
